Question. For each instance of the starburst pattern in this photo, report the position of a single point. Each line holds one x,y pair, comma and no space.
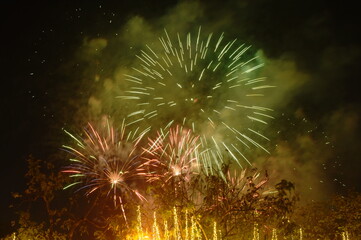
174,155
107,161
204,84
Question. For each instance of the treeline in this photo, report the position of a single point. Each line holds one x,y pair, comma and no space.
240,204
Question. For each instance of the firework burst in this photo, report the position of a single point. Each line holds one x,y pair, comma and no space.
204,84
174,159
174,154
106,161
241,190
240,182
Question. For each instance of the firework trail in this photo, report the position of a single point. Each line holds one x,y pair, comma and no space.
240,182
239,190
105,160
204,84
174,155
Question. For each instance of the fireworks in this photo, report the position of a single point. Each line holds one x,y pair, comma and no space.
203,95
179,230
204,84
174,154
239,189
240,182
107,161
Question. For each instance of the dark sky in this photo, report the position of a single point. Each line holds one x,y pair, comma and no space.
312,47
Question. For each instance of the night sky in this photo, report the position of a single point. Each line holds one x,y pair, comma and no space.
58,61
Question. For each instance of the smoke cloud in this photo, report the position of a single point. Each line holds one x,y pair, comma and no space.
305,142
